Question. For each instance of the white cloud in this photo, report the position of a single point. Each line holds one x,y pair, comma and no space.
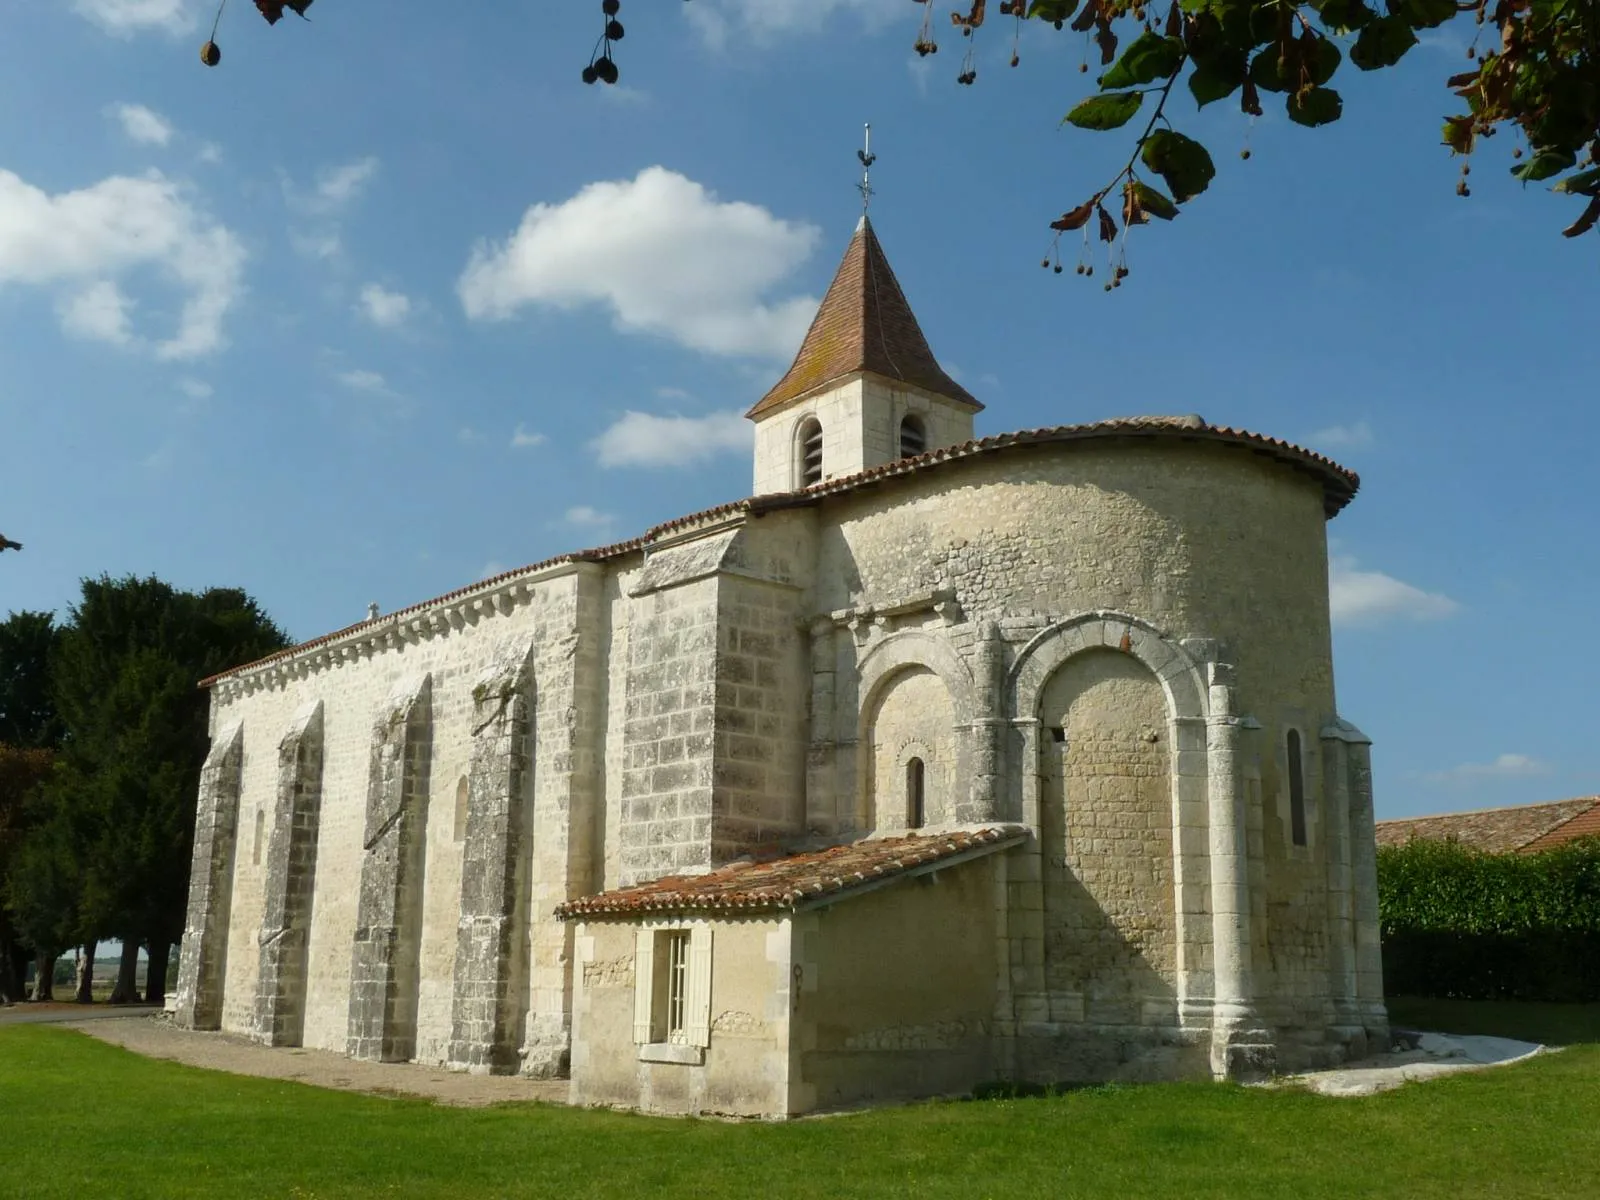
141,124
195,389
339,186
769,21
100,312
1343,437
84,245
468,436
1507,766
523,438
383,307
492,568
315,245
646,440
587,519
363,381
209,153
124,17
1369,597
663,254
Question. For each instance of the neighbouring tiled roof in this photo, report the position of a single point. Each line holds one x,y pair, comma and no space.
1339,486
793,880
863,324
1585,824
1500,830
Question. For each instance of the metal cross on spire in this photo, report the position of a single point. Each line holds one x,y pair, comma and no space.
867,158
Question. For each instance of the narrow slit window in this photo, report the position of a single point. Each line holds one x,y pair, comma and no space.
1297,791
463,790
677,986
261,829
810,440
916,800
913,436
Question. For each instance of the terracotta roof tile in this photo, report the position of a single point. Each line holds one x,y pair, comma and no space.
787,882
1585,824
1339,486
1498,830
863,324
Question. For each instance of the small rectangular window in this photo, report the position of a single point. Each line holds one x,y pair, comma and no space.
676,1031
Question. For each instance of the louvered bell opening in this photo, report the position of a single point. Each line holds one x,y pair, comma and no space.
913,437
811,455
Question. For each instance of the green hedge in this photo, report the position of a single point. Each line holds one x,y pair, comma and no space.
1461,923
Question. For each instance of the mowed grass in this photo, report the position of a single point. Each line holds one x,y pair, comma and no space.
82,1118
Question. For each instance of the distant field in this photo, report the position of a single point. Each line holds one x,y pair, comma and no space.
96,1120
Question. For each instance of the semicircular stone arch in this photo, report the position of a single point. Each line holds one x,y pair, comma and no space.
1048,650
916,701
915,648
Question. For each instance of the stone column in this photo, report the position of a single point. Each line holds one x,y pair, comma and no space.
384,954
291,871
1191,863
822,800
1346,1019
1240,1049
988,727
202,964
1364,881
491,971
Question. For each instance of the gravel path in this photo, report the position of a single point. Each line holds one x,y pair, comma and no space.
156,1037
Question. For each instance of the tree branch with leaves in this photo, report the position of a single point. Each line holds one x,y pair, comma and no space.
1538,74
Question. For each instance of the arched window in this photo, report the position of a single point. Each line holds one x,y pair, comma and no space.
1297,791
913,436
916,803
809,442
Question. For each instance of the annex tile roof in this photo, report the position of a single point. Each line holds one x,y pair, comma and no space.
1339,486
863,324
795,880
1524,828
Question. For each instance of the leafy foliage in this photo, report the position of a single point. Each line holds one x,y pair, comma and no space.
27,715
1459,922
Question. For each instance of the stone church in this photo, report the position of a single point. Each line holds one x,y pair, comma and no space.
939,760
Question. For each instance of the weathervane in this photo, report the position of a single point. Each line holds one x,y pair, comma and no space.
867,158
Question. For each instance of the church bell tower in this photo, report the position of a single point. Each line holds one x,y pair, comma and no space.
864,390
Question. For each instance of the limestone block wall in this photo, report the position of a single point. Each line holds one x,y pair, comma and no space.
454,644
385,952
290,877
203,962
746,1064
898,989
1106,830
713,723
1197,539
914,721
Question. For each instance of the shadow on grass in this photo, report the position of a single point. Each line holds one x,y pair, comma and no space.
1527,1021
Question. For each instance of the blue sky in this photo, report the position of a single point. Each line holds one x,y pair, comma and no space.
384,303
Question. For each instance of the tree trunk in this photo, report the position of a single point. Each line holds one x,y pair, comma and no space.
155,980
84,993
44,975
11,967
126,990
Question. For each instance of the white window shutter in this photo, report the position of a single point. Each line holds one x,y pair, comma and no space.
698,1000
644,983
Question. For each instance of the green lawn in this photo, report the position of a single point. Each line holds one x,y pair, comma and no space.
81,1118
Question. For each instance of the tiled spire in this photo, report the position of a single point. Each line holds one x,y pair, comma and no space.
863,324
